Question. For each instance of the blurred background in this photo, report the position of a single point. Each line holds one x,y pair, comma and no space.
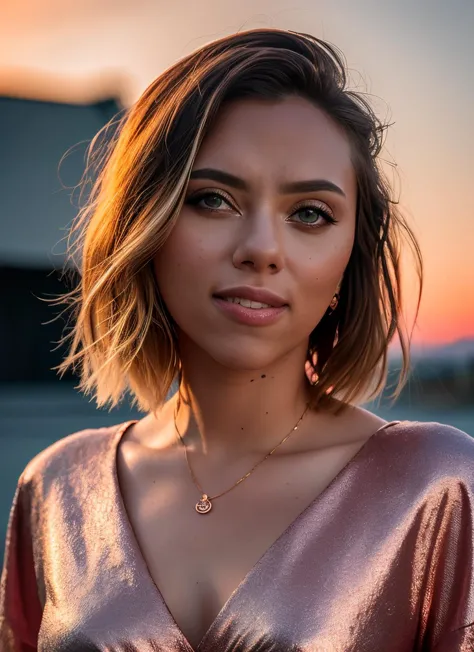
66,68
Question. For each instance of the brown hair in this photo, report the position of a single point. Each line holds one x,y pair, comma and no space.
123,337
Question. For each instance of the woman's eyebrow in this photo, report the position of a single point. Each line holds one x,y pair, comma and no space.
311,185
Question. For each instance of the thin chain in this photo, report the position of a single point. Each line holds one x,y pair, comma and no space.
295,427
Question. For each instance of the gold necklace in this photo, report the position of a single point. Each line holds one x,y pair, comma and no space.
204,505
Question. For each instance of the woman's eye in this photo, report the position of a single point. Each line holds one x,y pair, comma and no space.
310,216
211,201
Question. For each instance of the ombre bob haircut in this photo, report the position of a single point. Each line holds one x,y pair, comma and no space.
123,338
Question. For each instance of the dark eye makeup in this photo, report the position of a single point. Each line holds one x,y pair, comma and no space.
317,207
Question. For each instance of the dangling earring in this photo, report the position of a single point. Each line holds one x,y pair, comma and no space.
334,302
309,367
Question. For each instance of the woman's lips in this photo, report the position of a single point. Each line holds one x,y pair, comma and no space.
249,316
252,293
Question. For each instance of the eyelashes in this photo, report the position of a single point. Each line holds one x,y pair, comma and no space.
196,198
317,207
320,212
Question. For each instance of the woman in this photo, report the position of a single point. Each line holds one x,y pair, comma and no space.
241,240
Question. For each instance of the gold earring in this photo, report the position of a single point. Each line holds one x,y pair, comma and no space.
314,379
310,373
334,302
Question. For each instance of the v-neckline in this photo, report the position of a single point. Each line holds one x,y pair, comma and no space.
140,559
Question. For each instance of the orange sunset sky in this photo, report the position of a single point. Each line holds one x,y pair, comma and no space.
414,58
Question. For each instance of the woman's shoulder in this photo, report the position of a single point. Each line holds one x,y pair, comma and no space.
71,454
430,448
429,432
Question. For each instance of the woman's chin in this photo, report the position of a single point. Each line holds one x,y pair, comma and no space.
242,360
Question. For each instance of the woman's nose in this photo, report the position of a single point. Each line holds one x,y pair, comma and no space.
260,244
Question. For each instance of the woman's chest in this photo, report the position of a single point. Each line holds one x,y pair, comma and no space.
198,561
339,577
309,593
201,564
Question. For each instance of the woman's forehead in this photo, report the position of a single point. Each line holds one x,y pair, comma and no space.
284,140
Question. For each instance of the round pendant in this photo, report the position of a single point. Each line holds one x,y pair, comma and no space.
204,505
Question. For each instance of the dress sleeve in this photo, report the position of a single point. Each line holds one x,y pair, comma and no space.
450,592
20,607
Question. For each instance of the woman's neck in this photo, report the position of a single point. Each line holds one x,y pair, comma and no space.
225,411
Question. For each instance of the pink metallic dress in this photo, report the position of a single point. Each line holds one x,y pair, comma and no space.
380,561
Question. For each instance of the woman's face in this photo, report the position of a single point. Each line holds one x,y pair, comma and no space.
267,182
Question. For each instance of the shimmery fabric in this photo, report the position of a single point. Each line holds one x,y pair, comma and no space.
380,561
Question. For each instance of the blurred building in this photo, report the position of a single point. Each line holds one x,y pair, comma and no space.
42,159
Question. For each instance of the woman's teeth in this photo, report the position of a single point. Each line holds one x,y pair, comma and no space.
247,303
